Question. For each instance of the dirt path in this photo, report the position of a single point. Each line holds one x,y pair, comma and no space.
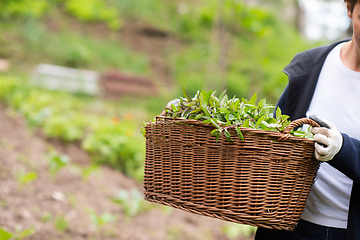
59,207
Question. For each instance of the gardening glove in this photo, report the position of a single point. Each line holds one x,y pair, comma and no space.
169,104
328,141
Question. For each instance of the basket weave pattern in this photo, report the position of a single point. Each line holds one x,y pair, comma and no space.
262,181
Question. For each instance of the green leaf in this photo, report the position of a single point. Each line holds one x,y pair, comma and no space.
239,133
216,133
246,123
203,106
4,235
214,101
261,119
201,116
236,105
214,122
278,113
228,135
262,103
205,96
253,99
222,95
186,94
28,177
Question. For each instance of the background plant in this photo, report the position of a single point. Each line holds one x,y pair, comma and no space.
106,130
5,235
56,161
132,202
99,221
23,233
233,231
24,178
61,224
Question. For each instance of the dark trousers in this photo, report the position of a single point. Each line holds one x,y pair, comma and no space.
304,231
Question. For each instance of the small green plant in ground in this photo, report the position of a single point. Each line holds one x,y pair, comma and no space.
117,145
56,161
45,217
233,230
86,120
61,224
4,235
131,201
23,234
24,178
18,235
86,172
100,220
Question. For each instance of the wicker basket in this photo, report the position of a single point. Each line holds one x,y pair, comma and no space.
262,181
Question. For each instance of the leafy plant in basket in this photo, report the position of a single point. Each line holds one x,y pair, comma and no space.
225,113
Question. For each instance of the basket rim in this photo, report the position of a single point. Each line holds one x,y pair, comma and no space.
281,135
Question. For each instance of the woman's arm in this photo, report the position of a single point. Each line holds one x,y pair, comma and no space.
347,160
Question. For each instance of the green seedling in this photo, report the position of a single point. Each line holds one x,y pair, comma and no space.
100,220
131,201
61,224
25,178
46,217
4,235
23,234
86,172
233,231
56,162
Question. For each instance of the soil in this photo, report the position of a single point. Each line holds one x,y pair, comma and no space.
58,207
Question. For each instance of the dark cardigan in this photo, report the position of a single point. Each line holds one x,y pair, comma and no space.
303,73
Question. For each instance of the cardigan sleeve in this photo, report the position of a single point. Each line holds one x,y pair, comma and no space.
347,160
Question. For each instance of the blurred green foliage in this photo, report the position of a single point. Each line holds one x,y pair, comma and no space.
219,45
224,44
106,130
94,10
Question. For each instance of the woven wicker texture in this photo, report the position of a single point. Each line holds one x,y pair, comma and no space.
262,181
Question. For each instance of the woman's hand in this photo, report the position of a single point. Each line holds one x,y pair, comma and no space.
328,141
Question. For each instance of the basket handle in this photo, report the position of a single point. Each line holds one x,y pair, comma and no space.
296,123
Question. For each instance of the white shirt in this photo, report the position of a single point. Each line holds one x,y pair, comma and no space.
336,98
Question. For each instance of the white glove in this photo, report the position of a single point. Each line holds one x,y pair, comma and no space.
328,142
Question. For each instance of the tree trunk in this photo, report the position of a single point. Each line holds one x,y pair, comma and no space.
299,17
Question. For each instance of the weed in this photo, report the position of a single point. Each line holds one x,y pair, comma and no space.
23,234
86,172
131,201
4,235
100,220
56,161
233,230
61,224
4,204
46,217
24,178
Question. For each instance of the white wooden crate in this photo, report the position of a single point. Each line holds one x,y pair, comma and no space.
66,79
